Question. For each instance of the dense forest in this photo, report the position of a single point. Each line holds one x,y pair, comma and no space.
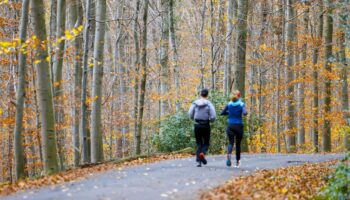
88,81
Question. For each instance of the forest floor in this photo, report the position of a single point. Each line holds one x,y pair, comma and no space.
170,179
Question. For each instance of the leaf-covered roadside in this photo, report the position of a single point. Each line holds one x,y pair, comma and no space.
338,186
83,172
295,182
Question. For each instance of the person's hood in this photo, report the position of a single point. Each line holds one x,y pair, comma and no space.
236,103
201,102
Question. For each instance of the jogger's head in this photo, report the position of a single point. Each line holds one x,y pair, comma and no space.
204,93
236,94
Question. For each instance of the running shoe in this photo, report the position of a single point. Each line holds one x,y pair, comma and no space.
202,158
228,161
238,164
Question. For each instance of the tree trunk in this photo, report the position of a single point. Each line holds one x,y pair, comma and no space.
96,126
301,85
201,38
44,91
84,140
76,11
241,42
228,48
219,42
315,62
281,46
57,67
143,78
123,85
326,136
22,67
137,68
289,59
345,94
164,57
175,57
37,116
53,26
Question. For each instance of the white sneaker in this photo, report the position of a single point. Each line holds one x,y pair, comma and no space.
238,164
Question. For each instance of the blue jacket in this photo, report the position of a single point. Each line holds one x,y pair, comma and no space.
235,111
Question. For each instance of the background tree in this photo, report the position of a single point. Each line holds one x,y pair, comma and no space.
96,126
18,138
45,99
289,56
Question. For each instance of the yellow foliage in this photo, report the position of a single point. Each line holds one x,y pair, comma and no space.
6,44
90,100
68,35
37,62
4,2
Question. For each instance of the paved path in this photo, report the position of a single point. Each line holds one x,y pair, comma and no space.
172,179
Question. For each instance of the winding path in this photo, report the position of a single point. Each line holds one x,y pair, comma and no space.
172,179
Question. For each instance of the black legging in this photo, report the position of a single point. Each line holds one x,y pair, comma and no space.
232,132
202,134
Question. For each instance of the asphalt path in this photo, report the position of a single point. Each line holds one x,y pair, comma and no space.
171,179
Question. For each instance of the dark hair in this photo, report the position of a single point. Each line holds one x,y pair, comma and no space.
204,92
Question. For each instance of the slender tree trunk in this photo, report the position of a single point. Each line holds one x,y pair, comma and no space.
57,67
315,62
164,57
280,45
144,76
301,85
201,38
137,69
96,126
212,45
228,48
84,140
53,26
44,91
289,59
10,112
278,106
241,42
261,75
22,67
76,19
175,57
215,41
326,136
345,72
122,83
217,56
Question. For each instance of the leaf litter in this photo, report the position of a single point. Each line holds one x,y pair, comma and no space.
294,182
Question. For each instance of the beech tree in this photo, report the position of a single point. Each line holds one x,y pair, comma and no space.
96,126
45,100
18,136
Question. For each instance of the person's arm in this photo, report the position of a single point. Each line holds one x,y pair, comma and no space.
224,111
245,113
191,111
212,113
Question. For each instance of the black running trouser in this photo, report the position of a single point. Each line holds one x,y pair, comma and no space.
235,132
202,134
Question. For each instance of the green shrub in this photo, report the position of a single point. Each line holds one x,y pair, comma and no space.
177,131
338,187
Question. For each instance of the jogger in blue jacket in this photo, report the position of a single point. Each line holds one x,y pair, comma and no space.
235,110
